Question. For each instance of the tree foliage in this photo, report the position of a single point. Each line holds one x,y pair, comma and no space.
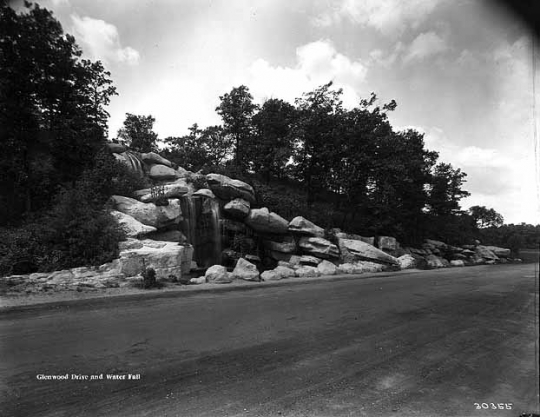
52,110
137,133
485,217
236,109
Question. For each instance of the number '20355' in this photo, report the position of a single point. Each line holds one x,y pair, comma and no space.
493,406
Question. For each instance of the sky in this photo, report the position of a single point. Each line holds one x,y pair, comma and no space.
461,71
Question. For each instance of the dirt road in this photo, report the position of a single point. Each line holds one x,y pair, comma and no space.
432,343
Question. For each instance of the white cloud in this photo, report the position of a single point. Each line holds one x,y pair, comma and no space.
504,181
424,45
317,63
58,3
100,40
387,16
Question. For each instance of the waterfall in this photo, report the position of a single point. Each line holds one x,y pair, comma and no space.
132,160
201,226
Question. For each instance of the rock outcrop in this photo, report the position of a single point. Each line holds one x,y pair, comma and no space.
148,213
237,208
358,250
131,226
245,270
218,274
302,226
263,221
229,189
318,247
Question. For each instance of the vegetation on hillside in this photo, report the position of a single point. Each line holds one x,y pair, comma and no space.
53,128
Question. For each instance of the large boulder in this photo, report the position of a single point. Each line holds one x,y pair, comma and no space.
245,270
349,268
407,261
131,226
326,268
263,221
176,189
434,261
288,246
357,250
319,247
310,260
457,262
387,243
284,271
148,213
217,274
237,208
166,258
229,189
162,172
303,226
270,275
500,252
153,158
342,235
307,271
367,266
485,252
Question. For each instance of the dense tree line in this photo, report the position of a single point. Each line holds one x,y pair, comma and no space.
375,179
55,174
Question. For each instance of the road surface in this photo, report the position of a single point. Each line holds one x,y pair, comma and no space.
431,343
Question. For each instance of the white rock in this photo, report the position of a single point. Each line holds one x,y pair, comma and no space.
303,226
406,261
263,221
131,226
217,274
318,247
200,280
358,250
270,275
457,262
148,213
327,268
245,270
284,271
307,271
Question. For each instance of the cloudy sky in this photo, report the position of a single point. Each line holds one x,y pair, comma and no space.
461,71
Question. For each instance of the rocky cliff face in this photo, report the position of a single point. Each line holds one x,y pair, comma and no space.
262,239
185,222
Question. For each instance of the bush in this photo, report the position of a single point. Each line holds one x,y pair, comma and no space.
73,233
149,278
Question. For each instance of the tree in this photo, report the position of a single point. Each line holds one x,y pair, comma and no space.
271,147
317,137
201,148
484,217
446,191
52,110
236,110
137,133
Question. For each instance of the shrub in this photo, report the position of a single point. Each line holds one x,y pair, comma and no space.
73,233
149,278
